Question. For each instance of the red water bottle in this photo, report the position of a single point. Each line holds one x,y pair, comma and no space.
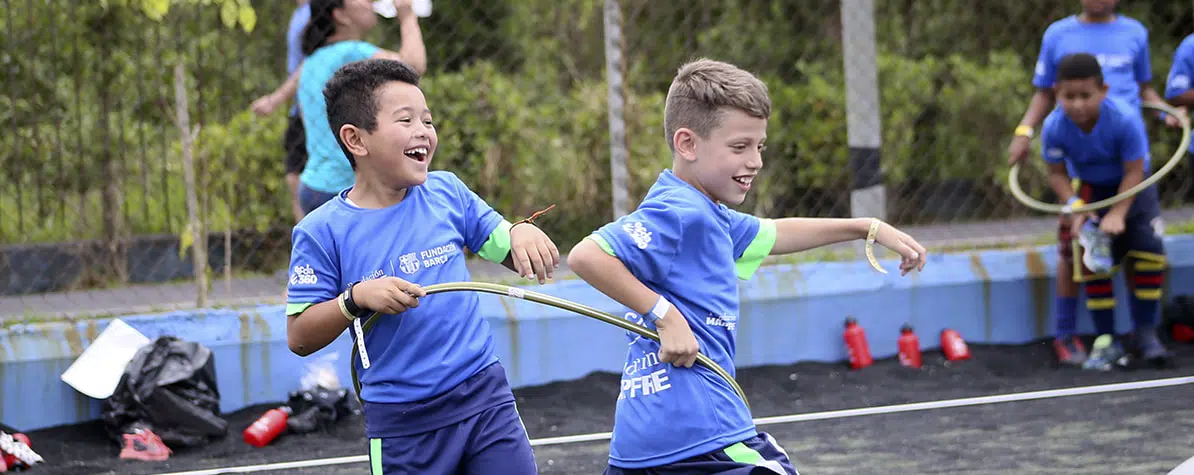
954,346
265,429
909,346
856,347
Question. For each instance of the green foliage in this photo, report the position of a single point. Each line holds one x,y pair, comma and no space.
518,91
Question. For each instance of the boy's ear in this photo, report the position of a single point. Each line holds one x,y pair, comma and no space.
684,141
351,136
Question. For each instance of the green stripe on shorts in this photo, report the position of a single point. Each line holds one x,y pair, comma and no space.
742,454
375,457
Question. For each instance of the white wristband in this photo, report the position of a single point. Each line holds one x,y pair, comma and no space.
662,306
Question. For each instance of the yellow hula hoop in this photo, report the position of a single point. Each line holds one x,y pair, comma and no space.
1013,177
550,301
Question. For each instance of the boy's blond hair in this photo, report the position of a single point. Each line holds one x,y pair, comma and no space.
702,89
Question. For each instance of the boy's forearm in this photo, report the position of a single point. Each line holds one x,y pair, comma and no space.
801,234
1062,186
1038,108
1131,179
315,328
610,276
1185,99
288,89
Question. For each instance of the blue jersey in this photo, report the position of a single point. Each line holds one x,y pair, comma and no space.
684,246
1121,47
1182,70
427,350
327,168
294,41
1097,157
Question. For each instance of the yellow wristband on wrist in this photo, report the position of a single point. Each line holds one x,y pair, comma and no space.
1024,131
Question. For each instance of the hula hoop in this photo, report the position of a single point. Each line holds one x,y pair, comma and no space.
550,301
1013,177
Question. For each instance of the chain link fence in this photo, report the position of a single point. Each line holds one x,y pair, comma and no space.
94,214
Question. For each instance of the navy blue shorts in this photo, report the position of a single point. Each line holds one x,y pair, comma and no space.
473,428
757,455
492,442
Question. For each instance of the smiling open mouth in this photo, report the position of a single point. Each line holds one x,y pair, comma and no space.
419,154
744,180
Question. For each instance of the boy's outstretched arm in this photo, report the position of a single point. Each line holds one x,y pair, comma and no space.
610,276
801,234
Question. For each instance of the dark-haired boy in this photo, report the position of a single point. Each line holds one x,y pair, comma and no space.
1103,142
436,399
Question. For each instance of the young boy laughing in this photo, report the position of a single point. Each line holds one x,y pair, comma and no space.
676,261
436,399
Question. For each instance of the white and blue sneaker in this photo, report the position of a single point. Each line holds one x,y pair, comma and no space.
1096,248
1105,354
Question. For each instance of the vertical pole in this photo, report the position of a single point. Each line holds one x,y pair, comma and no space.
615,73
868,198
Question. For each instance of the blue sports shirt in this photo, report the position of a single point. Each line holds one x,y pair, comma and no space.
427,350
1182,70
327,168
1121,47
692,251
1097,157
294,41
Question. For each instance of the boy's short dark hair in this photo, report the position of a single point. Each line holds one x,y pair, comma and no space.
351,94
1078,66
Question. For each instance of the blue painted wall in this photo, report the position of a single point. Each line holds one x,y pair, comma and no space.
790,313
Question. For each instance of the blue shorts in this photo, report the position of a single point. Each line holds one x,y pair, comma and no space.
492,442
757,455
473,428
309,198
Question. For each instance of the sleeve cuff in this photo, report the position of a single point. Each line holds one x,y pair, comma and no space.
497,247
758,250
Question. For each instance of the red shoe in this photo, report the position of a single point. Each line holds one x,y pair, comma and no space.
144,445
15,452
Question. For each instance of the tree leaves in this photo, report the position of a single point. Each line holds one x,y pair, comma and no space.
233,13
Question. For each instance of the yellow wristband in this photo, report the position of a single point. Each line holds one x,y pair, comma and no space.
1024,131
344,309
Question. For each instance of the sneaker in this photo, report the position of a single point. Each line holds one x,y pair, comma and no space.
1105,354
1144,344
1096,248
1070,351
16,452
143,444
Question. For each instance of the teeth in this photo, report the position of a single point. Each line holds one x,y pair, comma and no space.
420,150
744,181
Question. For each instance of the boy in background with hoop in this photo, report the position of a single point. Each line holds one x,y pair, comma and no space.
1102,142
1121,45
676,260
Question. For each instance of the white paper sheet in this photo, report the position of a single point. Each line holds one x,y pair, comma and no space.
97,371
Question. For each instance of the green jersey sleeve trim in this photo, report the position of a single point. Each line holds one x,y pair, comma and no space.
297,308
497,247
602,243
758,250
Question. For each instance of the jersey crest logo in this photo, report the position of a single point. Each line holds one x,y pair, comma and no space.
639,233
408,263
